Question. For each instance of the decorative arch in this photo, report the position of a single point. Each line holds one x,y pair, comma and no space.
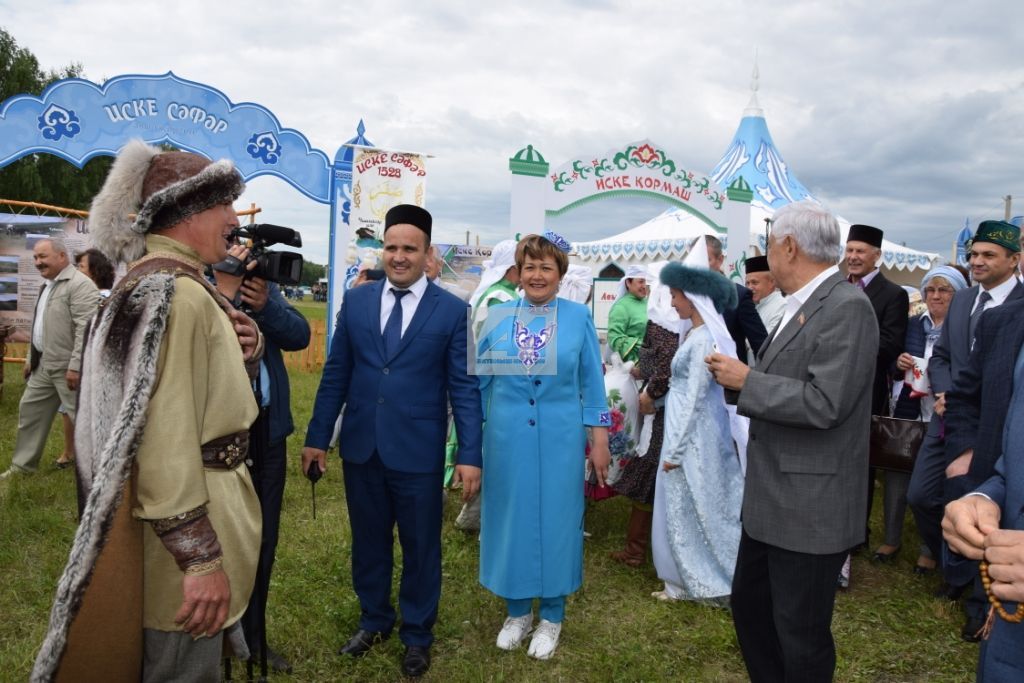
638,169
77,120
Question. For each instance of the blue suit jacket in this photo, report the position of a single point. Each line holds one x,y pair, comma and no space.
397,406
953,349
1002,655
976,406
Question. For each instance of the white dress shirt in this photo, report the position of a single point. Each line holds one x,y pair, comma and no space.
409,302
998,294
37,324
798,298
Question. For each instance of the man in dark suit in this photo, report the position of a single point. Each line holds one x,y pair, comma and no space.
397,357
807,456
284,329
976,405
972,524
888,299
892,309
993,266
744,324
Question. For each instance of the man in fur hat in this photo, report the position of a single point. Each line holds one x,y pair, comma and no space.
165,406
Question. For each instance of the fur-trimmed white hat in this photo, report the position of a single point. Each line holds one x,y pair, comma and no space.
162,189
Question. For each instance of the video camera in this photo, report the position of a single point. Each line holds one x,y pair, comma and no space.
282,267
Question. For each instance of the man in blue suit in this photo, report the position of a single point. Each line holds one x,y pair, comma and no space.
972,524
993,276
940,474
397,357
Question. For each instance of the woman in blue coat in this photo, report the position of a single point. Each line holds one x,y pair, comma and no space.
545,388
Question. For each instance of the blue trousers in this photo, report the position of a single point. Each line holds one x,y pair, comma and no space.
379,498
552,609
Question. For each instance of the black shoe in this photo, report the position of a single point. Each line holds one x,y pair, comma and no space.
361,642
882,558
275,662
416,661
949,591
971,632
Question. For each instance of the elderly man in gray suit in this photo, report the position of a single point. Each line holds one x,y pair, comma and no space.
809,403
66,302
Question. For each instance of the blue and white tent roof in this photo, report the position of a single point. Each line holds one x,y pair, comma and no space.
753,155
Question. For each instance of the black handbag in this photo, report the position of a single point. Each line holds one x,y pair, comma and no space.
895,442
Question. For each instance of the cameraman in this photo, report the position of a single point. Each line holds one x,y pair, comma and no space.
284,329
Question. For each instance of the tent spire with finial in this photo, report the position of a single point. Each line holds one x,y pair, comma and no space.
753,106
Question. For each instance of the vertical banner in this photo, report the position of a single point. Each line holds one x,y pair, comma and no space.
380,180
20,281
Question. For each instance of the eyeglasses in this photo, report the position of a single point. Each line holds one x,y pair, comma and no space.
942,291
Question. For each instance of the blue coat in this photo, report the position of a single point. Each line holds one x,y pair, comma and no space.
397,406
531,537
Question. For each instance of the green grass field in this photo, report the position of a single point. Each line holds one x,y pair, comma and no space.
887,627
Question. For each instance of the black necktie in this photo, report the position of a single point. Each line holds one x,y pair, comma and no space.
983,298
393,327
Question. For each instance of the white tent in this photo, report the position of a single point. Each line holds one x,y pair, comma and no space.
669,236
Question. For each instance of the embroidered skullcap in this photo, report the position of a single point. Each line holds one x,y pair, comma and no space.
999,232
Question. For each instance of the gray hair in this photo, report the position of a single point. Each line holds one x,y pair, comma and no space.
58,244
813,227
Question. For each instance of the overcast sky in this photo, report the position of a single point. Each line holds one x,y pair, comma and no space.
906,115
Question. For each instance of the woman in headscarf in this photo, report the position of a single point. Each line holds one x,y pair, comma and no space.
661,341
497,283
627,323
545,392
696,530
627,319
937,288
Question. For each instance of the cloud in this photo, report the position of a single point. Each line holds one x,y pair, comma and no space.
908,115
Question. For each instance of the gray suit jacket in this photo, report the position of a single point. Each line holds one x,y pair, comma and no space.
809,403
72,302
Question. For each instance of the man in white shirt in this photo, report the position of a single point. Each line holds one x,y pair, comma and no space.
67,301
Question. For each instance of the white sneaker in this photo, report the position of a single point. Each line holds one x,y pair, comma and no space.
514,631
545,640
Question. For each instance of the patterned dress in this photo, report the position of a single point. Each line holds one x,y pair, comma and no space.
696,529
639,474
